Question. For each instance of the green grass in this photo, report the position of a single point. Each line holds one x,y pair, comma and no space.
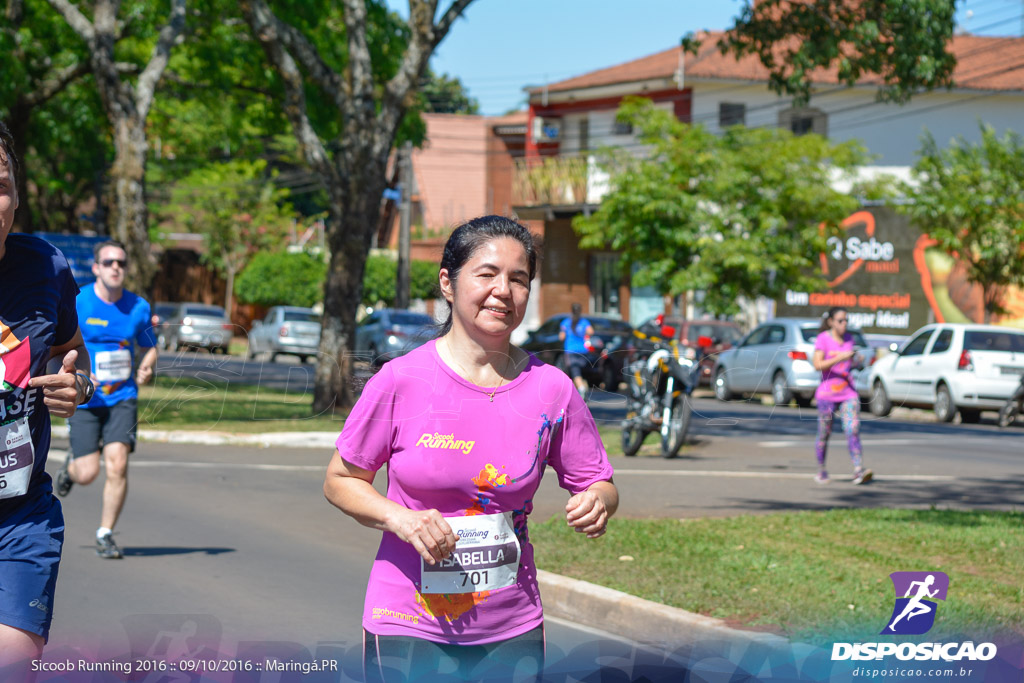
816,576
187,403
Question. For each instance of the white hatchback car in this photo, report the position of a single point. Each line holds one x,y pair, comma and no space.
950,367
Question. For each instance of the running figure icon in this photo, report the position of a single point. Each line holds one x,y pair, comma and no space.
915,606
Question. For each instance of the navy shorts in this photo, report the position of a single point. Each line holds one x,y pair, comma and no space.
31,539
91,428
574,363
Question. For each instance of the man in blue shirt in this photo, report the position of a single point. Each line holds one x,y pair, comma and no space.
38,322
114,322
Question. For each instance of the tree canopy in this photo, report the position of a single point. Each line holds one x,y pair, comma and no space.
736,215
969,198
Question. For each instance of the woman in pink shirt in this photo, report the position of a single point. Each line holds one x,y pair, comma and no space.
466,426
834,357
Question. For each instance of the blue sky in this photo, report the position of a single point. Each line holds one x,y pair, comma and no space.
500,46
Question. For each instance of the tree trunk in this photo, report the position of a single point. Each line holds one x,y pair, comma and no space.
129,221
229,293
353,218
18,122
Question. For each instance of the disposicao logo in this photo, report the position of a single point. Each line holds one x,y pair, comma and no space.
914,612
913,615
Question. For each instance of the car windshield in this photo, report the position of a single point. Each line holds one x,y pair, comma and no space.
163,310
411,319
205,311
811,333
986,340
301,317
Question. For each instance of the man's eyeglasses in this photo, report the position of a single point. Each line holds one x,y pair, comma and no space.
109,262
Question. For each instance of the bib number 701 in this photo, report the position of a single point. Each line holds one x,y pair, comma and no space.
474,578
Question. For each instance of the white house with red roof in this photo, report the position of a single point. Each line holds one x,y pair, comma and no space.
569,120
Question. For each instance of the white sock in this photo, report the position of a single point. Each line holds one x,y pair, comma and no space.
103,531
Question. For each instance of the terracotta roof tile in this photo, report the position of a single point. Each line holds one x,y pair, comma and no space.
983,63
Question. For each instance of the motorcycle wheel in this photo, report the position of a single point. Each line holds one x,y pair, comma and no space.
1007,414
632,439
678,425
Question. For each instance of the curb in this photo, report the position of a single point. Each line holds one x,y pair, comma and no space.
637,619
267,440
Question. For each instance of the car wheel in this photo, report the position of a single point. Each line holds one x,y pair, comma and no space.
303,359
970,416
250,353
803,401
880,403
273,356
722,391
945,409
780,390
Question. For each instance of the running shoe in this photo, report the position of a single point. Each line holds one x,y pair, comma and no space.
64,482
822,478
107,549
862,476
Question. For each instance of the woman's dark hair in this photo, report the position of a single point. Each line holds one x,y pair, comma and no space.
828,315
7,145
466,239
577,312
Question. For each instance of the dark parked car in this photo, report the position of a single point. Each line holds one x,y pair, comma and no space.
198,326
722,333
605,363
390,333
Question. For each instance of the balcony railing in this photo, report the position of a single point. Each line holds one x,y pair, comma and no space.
550,181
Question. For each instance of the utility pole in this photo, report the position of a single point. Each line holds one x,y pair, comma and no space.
402,285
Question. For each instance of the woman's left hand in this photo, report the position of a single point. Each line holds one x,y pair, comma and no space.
587,513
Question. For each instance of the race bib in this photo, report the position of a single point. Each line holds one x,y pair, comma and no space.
16,458
113,366
485,558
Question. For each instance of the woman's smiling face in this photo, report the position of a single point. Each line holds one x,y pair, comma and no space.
491,289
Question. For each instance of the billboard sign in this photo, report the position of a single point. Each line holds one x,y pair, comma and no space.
892,279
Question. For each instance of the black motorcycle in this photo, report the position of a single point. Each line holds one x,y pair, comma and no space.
1014,406
658,396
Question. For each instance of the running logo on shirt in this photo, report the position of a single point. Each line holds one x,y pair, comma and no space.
445,442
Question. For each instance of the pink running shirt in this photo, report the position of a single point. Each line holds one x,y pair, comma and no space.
836,383
447,446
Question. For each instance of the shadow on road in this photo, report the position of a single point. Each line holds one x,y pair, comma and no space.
974,494
157,551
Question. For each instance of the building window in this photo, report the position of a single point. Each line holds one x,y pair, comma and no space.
731,114
803,120
585,135
622,128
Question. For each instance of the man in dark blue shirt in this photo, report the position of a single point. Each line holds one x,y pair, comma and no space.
114,322
38,322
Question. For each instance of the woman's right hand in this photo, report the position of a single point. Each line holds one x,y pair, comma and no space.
425,530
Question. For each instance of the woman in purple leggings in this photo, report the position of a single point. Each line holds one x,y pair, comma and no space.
834,357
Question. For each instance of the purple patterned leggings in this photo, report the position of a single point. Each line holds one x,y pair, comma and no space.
849,413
